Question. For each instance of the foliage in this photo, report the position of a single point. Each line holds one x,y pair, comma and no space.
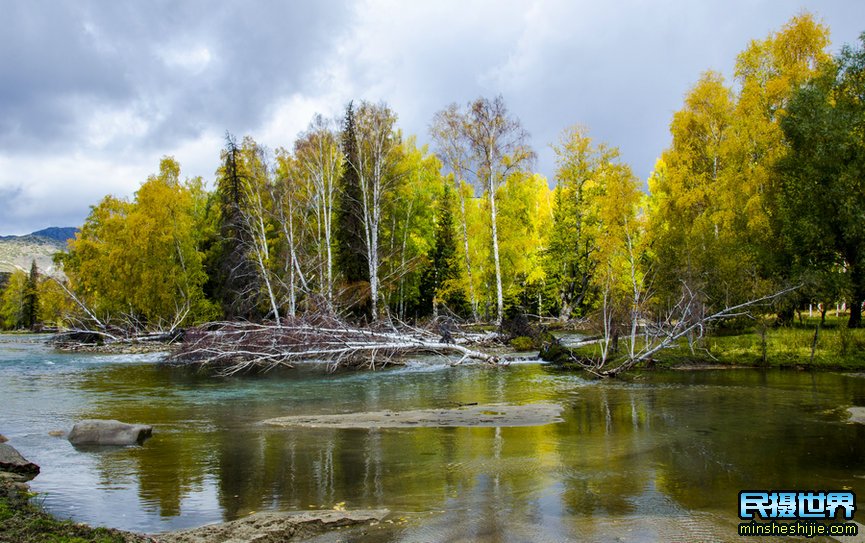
759,188
711,192
12,301
594,212
140,261
821,196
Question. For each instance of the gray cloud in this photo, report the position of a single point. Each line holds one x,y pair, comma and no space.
95,92
179,67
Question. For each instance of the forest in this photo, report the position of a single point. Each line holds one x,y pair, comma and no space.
760,195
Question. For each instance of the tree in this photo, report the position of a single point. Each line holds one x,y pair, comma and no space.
683,223
228,268
525,220
138,263
711,204
595,197
442,269
448,134
256,224
318,153
768,72
488,144
31,298
13,301
291,199
55,307
375,148
350,256
408,212
822,194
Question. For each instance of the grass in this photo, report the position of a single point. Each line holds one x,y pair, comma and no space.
23,522
838,347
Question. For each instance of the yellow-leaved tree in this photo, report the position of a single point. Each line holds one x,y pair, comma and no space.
710,204
138,262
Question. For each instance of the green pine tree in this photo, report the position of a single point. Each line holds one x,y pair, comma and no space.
350,253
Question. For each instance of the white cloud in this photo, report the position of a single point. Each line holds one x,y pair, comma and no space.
291,116
62,188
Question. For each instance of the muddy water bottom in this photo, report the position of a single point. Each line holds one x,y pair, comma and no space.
660,456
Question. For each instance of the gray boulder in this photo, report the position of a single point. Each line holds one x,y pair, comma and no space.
11,461
108,432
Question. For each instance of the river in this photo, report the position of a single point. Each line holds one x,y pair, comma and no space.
657,456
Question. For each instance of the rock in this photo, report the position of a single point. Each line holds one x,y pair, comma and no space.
857,414
11,461
108,432
3,439
275,527
14,479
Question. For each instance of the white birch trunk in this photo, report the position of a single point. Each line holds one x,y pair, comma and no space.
258,231
500,305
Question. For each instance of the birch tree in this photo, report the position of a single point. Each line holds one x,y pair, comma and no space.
290,201
318,154
377,158
255,218
486,143
448,134
497,145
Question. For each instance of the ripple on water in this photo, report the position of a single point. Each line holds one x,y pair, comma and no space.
642,459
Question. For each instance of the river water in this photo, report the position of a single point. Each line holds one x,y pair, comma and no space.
660,456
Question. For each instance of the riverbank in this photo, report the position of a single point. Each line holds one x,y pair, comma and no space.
789,347
22,521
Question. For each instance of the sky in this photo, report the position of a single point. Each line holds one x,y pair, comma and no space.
94,93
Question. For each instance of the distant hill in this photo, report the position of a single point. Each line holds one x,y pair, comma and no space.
20,251
59,233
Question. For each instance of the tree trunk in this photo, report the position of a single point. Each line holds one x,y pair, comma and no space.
857,278
500,305
258,231
373,274
473,300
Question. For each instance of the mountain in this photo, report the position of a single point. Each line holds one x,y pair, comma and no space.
59,233
20,251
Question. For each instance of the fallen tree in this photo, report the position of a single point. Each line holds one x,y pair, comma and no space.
233,347
685,320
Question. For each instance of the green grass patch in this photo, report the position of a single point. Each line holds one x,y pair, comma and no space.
837,347
522,343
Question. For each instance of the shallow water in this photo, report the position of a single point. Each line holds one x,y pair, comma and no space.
661,456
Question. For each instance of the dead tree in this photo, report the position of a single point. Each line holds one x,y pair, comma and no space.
683,320
234,347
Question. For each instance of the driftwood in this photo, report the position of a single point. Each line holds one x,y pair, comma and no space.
234,347
686,319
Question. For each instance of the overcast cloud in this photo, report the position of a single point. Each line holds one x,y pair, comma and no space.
94,93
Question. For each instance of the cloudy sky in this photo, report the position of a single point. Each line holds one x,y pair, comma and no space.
93,93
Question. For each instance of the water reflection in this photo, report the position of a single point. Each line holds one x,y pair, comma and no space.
658,457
